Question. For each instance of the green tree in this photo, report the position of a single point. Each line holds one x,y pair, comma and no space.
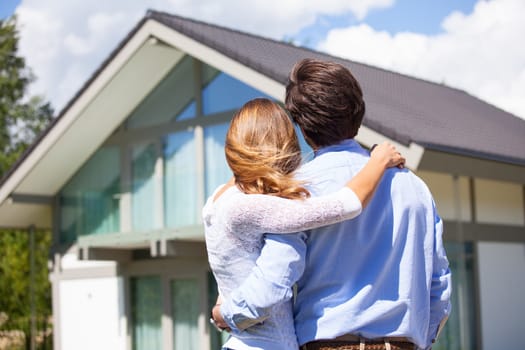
22,119
15,276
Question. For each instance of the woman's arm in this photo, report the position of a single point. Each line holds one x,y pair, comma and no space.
365,182
256,214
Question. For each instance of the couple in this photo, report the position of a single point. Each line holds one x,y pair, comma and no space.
372,280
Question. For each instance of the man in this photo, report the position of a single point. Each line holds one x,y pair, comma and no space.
378,281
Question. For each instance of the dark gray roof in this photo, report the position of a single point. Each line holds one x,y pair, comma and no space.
400,107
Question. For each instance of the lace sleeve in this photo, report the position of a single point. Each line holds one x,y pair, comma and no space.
270,214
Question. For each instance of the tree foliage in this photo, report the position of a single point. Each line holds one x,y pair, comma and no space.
15,272
22,119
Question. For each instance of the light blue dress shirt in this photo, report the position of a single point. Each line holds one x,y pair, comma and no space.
383,274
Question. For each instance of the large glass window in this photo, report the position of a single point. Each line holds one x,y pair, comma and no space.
172,99
217,170
89,202
146,312
225,93
160,183
144,187
180,179
460,330
185,301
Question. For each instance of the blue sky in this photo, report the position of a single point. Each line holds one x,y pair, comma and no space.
419,16
467,44
7,7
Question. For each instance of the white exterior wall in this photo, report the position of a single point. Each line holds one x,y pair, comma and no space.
502,294
499,202
89,301
443,190
91,314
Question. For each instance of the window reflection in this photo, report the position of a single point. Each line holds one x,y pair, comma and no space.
180,179
146,312
173,99
225,93
89,202
185,310
217,170
460,329
143,187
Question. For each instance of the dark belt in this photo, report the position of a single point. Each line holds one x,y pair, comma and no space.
353,342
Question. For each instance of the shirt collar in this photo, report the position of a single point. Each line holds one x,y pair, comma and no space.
345,145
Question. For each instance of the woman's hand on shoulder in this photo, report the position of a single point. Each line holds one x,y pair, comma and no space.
387,154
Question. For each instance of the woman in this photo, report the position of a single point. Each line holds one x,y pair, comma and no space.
263,152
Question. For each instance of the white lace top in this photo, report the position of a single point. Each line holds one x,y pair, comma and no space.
234,228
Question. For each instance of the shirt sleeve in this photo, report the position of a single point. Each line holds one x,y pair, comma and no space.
441,285
256,213
270,282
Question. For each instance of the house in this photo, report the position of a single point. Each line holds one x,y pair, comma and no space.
122,173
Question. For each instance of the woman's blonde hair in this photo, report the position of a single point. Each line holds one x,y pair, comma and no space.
263,151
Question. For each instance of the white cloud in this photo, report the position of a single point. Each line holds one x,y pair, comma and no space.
42,31
65,41
98,24
480,53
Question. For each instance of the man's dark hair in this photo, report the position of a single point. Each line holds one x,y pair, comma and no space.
325,100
